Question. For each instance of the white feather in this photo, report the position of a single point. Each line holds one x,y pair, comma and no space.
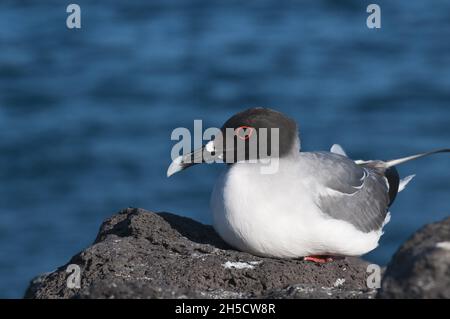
405,181
337,149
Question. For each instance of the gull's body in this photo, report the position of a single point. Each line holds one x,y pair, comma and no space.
277,215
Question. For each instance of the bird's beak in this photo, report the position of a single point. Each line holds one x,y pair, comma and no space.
205,154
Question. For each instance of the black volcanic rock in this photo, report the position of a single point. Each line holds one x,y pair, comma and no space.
140,254
421,267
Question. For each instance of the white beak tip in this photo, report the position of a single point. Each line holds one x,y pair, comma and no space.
175,166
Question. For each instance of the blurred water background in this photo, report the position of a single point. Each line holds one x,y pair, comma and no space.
86,115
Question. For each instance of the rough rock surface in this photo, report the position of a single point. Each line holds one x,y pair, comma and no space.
140,254
421,267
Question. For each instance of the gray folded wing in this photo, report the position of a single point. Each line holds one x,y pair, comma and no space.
350,192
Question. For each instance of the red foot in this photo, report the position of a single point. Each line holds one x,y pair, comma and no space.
319,259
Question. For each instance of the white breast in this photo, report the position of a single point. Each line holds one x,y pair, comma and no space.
274,215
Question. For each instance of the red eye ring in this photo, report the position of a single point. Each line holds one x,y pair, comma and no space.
247,134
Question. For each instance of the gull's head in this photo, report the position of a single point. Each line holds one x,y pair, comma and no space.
250,135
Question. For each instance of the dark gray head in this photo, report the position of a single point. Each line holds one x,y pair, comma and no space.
252,134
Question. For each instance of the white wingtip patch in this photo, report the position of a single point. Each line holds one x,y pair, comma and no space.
405,181
387,219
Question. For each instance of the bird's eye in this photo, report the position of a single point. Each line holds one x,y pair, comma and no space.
244,132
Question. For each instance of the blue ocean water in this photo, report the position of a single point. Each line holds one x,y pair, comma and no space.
86,115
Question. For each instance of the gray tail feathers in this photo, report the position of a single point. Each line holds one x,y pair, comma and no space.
395,162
